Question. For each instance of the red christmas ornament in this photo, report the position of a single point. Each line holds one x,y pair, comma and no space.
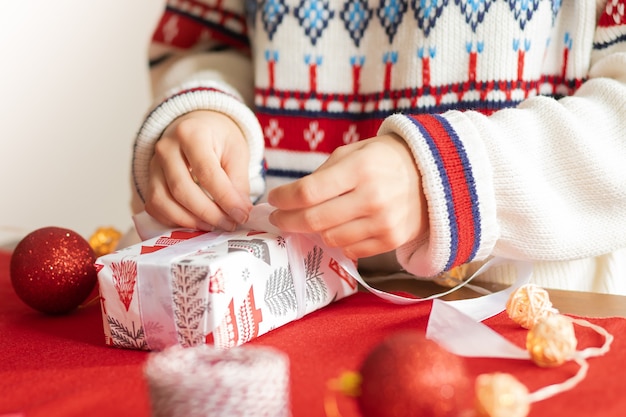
408,375
52,270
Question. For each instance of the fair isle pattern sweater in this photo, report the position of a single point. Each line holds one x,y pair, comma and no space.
514,111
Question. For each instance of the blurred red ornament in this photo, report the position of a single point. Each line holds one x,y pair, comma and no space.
52,270
408,375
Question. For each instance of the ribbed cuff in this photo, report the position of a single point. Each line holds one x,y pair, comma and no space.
459,192
199,96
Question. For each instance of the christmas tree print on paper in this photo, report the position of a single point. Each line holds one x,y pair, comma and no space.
238,326
342,273
226,334
257,247
124,337
249,318
280,294
124,278
190,304
316,290
216,282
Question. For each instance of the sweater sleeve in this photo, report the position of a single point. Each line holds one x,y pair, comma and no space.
544,181
198,64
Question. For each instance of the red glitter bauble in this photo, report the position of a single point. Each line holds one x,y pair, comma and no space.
408,375
52,270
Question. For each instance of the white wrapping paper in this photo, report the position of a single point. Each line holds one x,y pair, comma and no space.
455,325
224,288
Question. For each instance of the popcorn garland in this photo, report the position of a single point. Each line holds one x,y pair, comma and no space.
501,395
528,305
551,341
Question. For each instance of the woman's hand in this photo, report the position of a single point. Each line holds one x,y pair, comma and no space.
199,173
366,199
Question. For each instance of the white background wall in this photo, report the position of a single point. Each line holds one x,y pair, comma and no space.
73,91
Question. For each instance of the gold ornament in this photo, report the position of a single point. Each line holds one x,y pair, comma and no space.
348,383
551,341
528,304
104,240
453,277
501,395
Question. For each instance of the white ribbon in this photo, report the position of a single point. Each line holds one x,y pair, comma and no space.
155,287
462,335
295,255
455,325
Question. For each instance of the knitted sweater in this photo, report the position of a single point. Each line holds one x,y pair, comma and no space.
515,112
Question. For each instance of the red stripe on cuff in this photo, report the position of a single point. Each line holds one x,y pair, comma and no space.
455,163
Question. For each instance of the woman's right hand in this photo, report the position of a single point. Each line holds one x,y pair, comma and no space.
199,173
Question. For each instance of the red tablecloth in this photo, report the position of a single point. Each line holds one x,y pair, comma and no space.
59,366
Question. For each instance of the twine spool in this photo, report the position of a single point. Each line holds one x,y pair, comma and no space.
202,381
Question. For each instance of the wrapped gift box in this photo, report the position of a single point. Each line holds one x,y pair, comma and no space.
223,289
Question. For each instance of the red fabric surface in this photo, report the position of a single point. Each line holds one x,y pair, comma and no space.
59,366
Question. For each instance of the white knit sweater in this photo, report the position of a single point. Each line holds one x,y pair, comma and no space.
515,112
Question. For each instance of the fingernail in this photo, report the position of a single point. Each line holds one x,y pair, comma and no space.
227,225
238,215
271,218
206,227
